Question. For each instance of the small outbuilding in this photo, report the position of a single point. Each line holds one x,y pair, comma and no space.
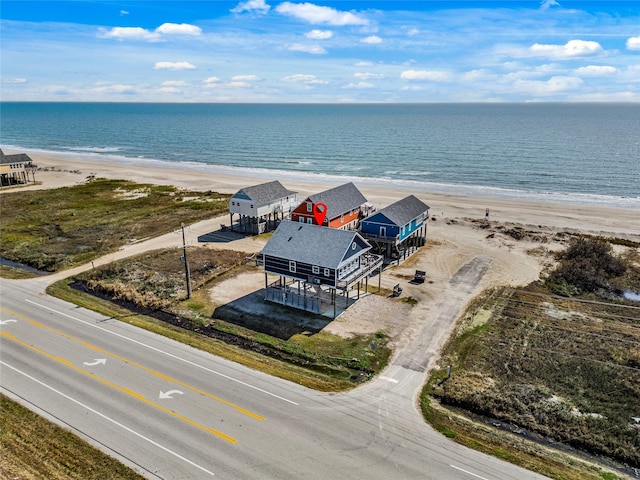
345,206
317,267
395,231
261,207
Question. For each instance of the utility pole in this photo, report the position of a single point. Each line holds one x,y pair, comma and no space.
186,264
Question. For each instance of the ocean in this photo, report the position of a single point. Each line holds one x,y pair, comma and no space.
585,153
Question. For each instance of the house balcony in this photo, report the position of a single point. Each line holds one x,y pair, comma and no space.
380,238
368,264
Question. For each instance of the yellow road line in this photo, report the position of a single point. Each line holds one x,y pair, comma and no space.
136,395
130,362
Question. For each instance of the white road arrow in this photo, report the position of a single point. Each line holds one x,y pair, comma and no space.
169,393
96,362
11,320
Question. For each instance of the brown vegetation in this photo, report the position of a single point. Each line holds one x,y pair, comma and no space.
54,229
566,369
33,448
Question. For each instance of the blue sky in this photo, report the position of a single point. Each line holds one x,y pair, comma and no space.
320,51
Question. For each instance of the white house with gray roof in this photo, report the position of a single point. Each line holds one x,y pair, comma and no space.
316,266
261,206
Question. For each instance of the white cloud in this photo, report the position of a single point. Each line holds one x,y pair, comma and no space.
306,79
116,88
238,84
477,74
245,78
320,15
359,85
212,80
319,34
124,12
129,33
425,75
168,90
174,66
251,6
372,40
313,49
554,85
13,81
633,43
571,49
363,64
368,75
595,70
546,4
178,29
413,31
174,83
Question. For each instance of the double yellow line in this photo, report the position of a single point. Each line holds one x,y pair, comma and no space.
127,391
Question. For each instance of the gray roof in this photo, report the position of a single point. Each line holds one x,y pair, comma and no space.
403,211
311,244
14,158
265,192
340,200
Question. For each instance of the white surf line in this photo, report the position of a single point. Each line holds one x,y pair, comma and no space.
164,353
466,471
152,442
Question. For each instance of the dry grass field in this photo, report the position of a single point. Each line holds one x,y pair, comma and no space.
59,228
562,370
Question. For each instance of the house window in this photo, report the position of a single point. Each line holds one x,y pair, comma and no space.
309,220
341,218
383,231
327,272
292,266
316,270
301,219
309,207
251,206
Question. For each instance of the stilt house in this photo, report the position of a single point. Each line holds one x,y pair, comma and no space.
345,205
317,267
15,169
396,230
259,208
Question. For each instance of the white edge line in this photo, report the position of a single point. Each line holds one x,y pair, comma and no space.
466,471
109,419
163,352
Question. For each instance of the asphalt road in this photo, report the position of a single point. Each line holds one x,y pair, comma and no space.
173,412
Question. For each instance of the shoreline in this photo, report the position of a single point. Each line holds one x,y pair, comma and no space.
99,160
65,170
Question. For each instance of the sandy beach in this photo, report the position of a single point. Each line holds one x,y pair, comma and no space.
60,171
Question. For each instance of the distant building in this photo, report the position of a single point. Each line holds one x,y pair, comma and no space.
317,267
345,205
15,169
397,229
261,207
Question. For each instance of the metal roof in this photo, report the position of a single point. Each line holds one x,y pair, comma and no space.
264,193
312,244
14,158
402,211
340,200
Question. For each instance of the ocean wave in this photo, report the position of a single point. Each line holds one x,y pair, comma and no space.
93,149
419,187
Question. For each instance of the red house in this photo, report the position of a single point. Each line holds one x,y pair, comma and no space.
344,204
